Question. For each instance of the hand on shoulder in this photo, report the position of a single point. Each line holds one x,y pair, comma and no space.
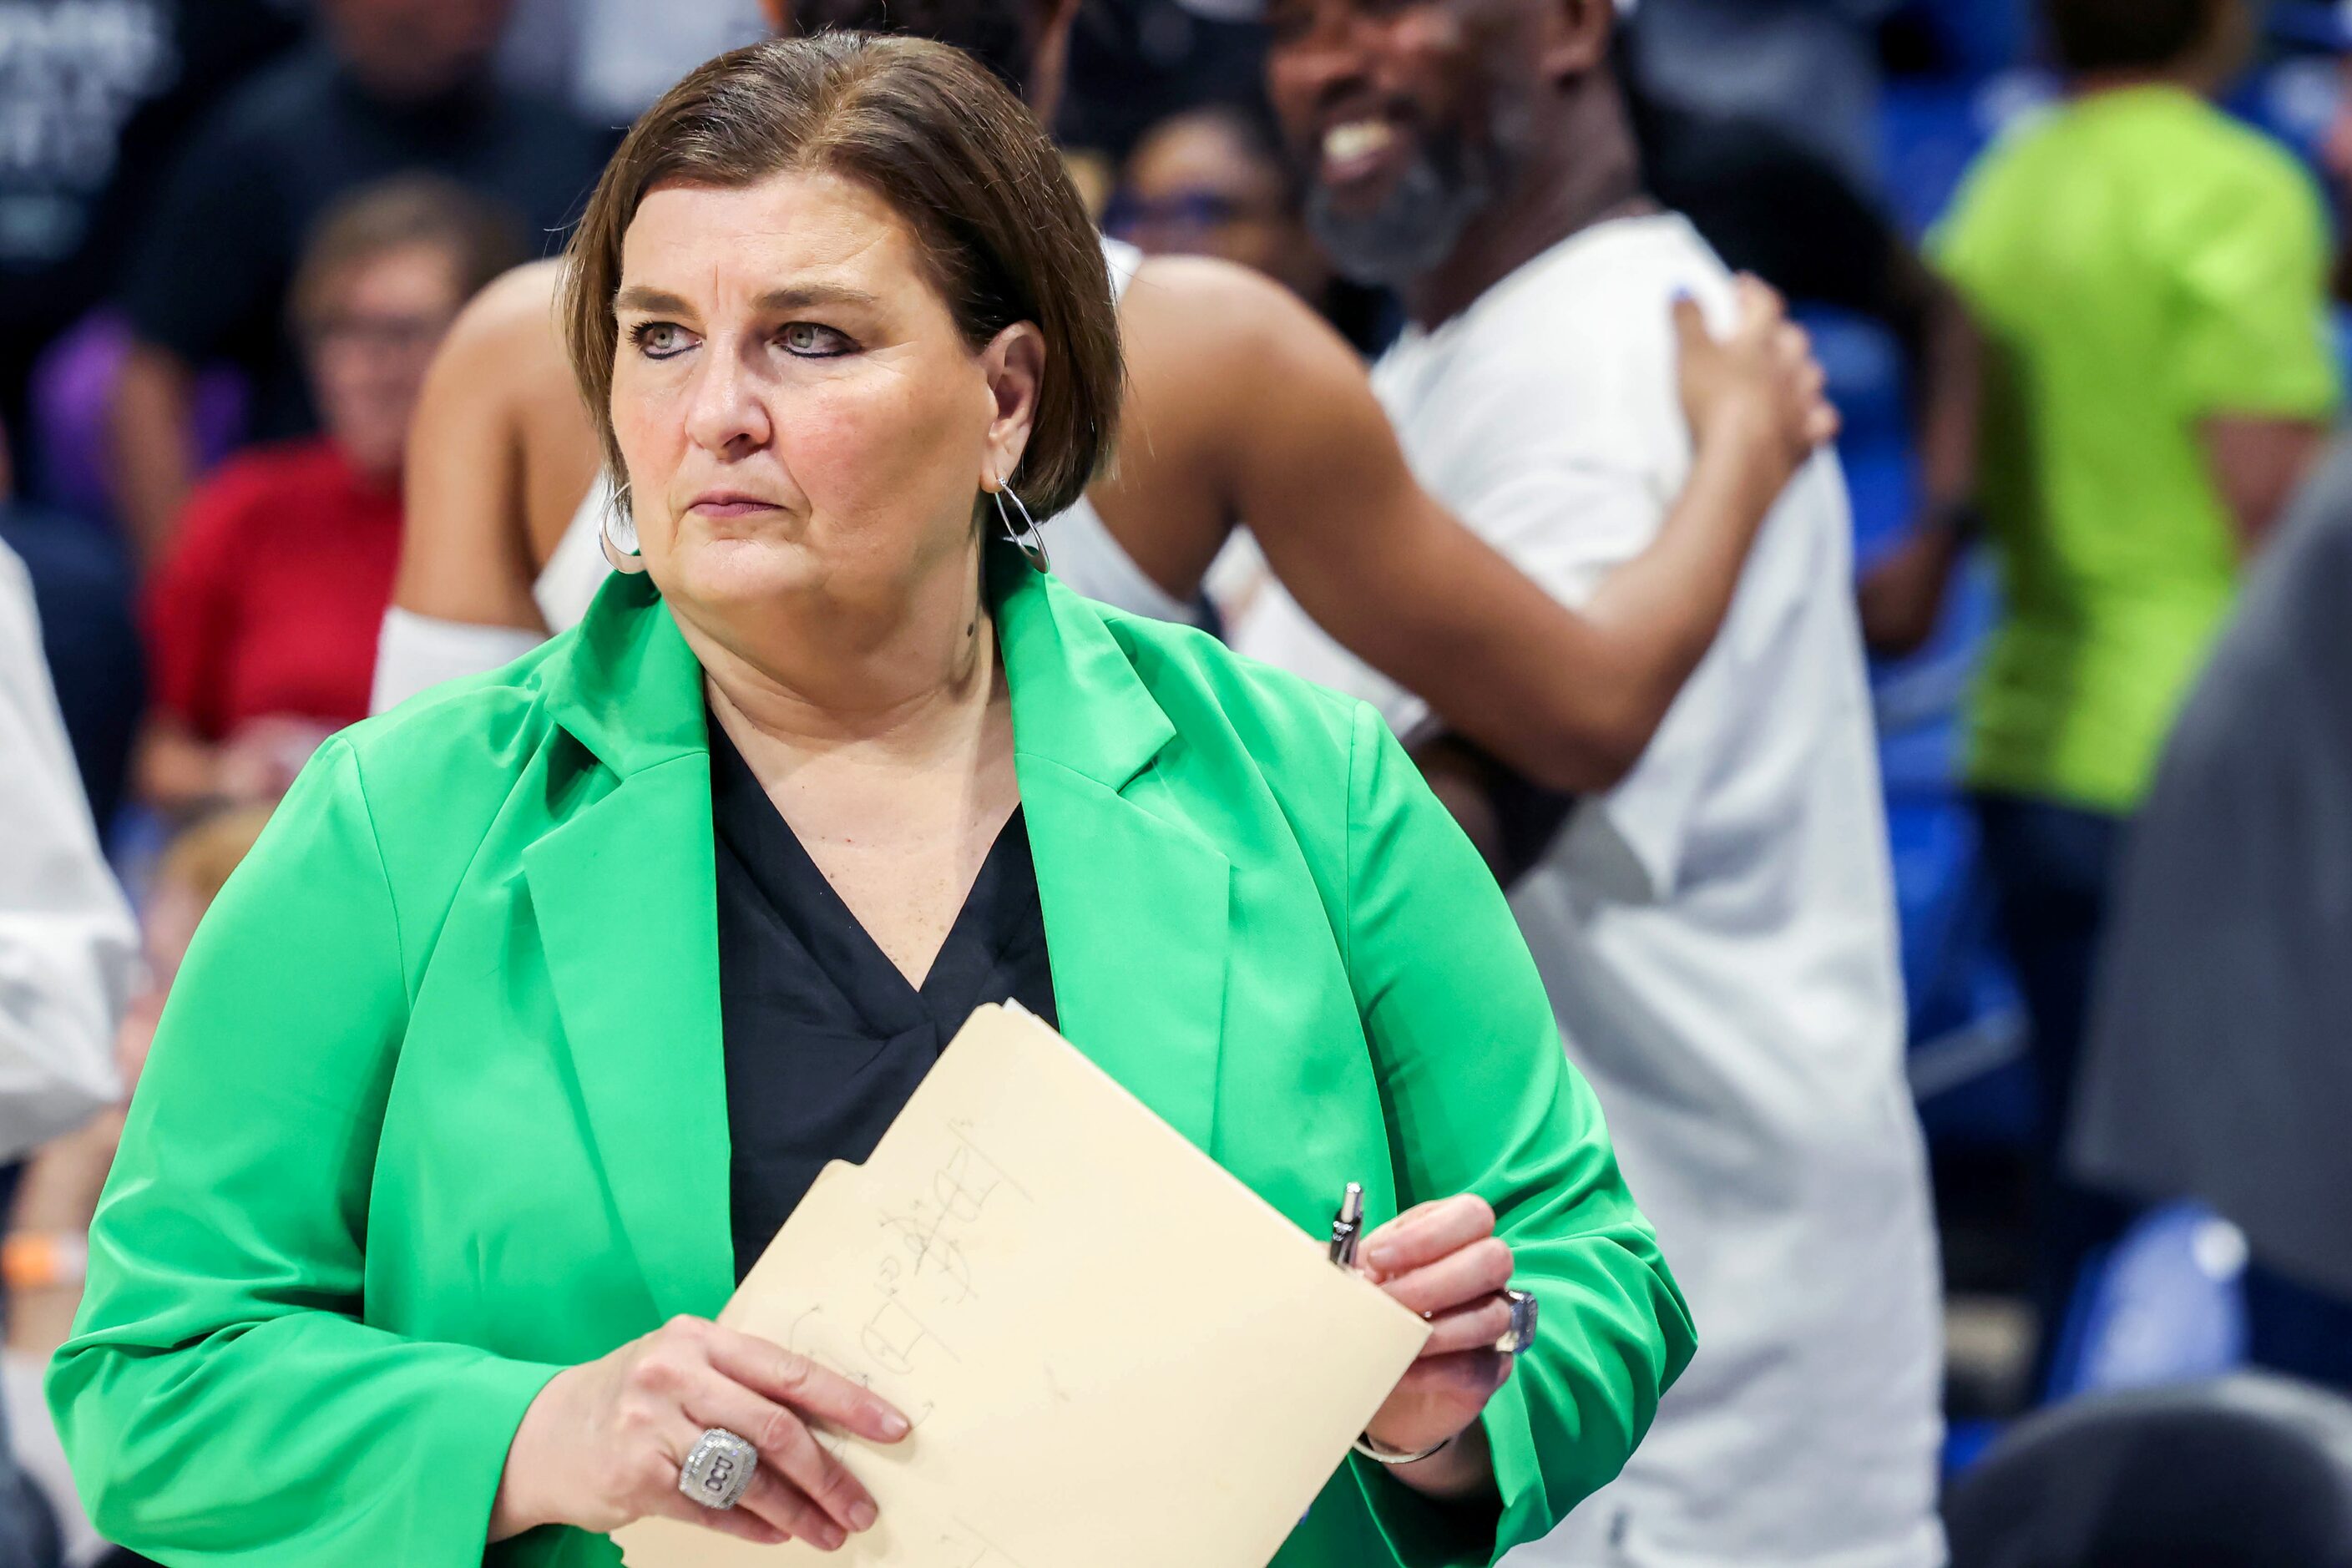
1758,386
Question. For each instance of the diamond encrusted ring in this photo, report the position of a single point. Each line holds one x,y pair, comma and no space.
718,1471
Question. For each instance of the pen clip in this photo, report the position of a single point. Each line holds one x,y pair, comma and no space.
1347,1226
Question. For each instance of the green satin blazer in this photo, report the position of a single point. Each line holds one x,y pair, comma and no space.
437,1107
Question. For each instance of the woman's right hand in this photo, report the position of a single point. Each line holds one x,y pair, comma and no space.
601,1445
1758,388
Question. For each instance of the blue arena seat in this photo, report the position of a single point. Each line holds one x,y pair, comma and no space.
2164,1304
1978,37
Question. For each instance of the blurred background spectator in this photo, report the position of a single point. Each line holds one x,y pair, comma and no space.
1212,181
262,616
68,960
98,94
2218,1079
47,1246
389,86
2217,1065
83,584
2150,276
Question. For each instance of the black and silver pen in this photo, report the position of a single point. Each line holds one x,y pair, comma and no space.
1347,1226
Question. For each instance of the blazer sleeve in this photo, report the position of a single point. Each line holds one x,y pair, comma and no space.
221,1399
1480,1098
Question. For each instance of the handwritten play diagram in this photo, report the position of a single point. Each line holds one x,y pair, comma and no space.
1112,1350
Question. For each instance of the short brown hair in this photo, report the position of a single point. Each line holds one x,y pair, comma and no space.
483,238
1002,234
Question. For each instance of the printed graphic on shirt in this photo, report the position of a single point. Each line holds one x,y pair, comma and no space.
72,72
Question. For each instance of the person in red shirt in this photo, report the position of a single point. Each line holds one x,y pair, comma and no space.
261,622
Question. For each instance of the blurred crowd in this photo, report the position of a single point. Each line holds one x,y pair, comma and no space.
2070,268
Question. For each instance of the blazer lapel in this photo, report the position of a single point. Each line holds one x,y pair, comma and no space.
1138,904
625,898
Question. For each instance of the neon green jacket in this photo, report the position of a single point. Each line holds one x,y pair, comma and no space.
436,1106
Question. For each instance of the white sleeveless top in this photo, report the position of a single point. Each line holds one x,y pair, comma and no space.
1081,550
578,567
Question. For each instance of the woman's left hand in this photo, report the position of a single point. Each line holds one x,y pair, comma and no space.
1443,1260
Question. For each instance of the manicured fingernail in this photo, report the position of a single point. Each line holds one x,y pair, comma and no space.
861,1516
1378,1254
829,1536
893,1426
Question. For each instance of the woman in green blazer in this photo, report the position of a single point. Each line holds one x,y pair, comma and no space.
423,1204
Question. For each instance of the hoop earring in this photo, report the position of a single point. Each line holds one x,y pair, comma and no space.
1029,539
622,548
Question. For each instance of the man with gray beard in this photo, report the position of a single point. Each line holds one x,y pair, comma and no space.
1717,929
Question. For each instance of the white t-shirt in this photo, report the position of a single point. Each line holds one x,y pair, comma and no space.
1717,932
69,951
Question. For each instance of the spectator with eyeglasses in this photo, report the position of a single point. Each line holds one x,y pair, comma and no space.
261,622
1212,181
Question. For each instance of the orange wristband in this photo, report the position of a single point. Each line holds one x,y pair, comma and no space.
35,1261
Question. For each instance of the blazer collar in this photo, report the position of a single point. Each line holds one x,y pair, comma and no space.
1137,903
1076,700
630,689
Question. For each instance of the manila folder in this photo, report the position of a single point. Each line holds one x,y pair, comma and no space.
1112,1350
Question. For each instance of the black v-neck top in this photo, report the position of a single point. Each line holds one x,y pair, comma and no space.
824,1038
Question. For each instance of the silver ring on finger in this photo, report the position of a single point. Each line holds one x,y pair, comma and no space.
717,1471
1522,1334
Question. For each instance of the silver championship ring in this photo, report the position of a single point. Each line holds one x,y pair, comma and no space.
1522,1331
718,1472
